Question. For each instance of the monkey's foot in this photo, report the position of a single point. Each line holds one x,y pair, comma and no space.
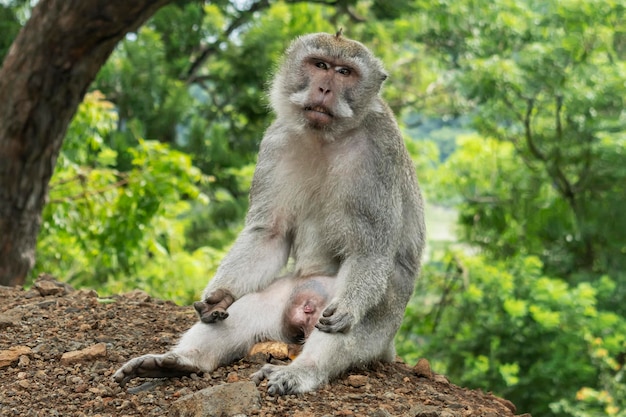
213,308
283,380
154,366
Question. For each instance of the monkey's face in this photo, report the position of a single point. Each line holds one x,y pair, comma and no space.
327,83
324,98
301,315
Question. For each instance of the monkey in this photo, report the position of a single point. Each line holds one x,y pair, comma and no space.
304,308
334,195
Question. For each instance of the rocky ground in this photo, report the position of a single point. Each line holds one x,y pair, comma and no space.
60,347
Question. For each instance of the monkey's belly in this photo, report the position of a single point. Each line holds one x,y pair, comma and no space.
308,267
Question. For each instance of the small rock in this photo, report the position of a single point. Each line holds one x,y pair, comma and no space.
420,410
11,355
23,361
85,293
45,288
81,388
508,404
422,368
98,350
356,381
303,414
232,377
137,295
276,350
24,383
441,379
220,400
11,318
381,412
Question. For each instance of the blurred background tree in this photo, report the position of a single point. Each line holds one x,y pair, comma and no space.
512,110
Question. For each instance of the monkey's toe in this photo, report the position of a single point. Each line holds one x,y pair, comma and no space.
263,373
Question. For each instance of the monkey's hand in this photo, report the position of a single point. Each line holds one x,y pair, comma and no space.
335,319
154,366
213,308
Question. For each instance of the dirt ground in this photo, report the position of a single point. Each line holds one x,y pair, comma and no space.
60,347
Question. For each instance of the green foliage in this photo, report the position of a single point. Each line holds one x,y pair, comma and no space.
145,67
120,230
546,78
12,15
507,328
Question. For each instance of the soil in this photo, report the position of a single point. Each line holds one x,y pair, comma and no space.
59,349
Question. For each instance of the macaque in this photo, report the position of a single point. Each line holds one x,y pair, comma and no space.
335,203
304,307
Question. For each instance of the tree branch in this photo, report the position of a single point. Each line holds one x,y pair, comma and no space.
43,78
211,48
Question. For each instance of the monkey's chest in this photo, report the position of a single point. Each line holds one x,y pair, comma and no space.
313,247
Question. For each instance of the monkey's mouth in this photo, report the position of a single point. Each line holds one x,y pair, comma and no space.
318,115
319,109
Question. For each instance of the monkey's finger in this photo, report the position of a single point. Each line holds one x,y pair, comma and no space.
337,323
219,314
220,295
211,315
200,307
329,311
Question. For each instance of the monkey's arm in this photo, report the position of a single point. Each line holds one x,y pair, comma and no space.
259,253
373,211
254,261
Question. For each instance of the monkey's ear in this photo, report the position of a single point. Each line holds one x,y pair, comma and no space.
339,33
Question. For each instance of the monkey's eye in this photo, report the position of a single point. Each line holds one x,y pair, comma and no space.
322,65
344,71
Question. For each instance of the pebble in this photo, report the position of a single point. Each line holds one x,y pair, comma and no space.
12,355
422,368
24,383
23,361
98,350
357,381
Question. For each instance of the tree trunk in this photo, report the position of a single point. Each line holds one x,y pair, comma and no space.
44,78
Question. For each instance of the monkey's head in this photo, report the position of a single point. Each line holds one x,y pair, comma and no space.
327,83
301,315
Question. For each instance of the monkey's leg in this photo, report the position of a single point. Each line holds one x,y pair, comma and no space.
204,347
166,365
326,356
